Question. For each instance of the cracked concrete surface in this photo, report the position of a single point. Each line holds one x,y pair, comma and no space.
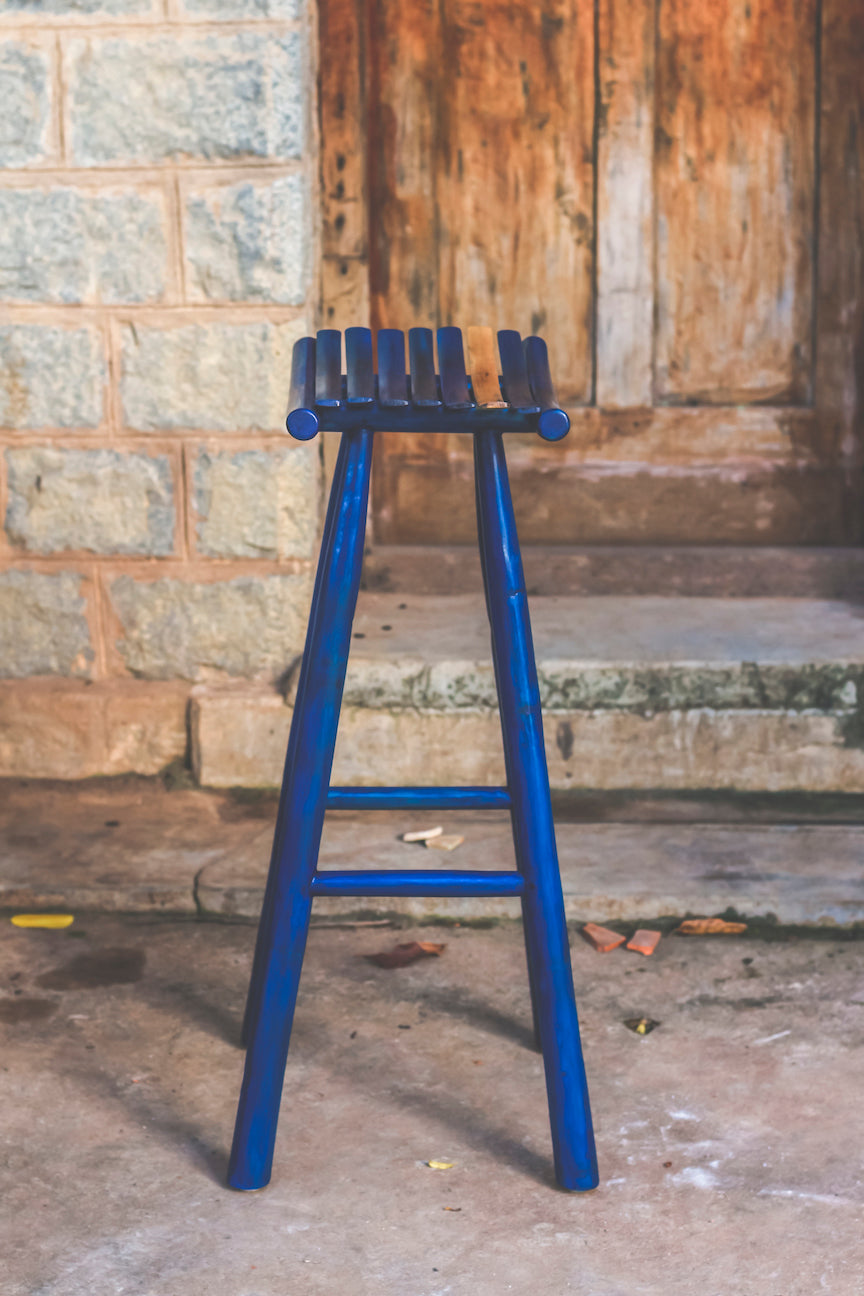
129,845
729,1138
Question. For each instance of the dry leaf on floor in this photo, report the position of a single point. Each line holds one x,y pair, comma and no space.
52,922
641,1025
402,955
422,834
710,927
446,843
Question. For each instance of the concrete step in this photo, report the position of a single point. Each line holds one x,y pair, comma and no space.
129,845
720,571
649,692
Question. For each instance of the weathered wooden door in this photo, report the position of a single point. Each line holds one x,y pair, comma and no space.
671,191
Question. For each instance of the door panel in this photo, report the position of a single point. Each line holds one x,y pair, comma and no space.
637,180
734,192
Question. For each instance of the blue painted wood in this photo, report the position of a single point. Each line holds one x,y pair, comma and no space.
392,379
285,920
424,381
328,367
293,880
451,365
417,882
553,423
418,798
511,757
423,418
533,828
328,539
360,374
514,372
302,421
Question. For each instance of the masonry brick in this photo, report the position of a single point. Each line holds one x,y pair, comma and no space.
78,8
234,9
257,503
75,246
106,501
247,242
207,377
43,627
51,377
204,97
74,729
248,626
26,98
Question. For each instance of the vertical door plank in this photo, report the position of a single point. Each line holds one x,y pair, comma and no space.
735,177
514,175
405,129
625,203
343,200
839,376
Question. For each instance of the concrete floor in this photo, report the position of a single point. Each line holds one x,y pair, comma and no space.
729,1138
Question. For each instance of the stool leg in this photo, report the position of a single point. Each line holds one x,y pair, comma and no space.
285,918
328,537
508,758
533,828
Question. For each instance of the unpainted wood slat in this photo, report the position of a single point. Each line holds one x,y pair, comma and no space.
514,178
839,370
736,87
483,368
625,203
342,109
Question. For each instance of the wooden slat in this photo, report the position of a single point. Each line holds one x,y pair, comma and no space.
483,367
735,174
358,366
392,380
424,383
451,369
539,375
343,201
328,367
342,112
301,394
625,203
514,174
514,372
839,375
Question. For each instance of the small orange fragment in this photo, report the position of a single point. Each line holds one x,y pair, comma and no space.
602,938
644,941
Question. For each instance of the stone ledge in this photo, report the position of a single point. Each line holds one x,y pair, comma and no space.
239,736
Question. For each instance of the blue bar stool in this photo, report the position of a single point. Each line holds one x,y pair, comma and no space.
517,398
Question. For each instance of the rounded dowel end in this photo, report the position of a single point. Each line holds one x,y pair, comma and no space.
553,424
302,424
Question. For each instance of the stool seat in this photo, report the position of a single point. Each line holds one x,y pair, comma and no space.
515,396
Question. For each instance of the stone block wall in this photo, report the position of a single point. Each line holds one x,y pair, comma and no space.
156,256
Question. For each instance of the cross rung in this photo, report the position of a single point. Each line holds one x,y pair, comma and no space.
418,798
417,882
